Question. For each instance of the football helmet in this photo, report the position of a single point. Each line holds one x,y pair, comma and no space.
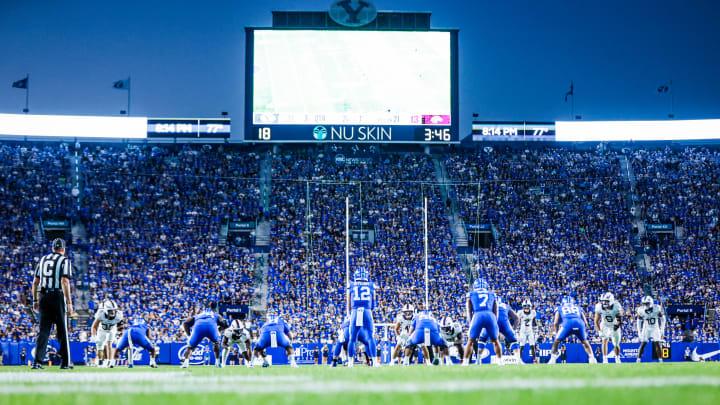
408,311
110,308
647,301
361,274
526,304
606,299
236,328
480,284
446,324
568,300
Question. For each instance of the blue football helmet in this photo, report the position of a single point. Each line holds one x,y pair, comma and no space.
361,274
480,284
568,300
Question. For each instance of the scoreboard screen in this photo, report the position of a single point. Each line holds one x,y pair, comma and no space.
513,131
351,86
188,128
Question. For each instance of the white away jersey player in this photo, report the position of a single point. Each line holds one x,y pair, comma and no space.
454,335
527,332
108,327
651,321
405,326
243,342
608,318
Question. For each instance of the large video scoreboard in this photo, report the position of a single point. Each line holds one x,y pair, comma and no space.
337,85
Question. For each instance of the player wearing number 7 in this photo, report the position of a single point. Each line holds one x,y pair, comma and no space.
573,323
482,309
361,299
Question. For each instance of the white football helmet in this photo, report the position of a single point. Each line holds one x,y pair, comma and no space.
408,311
527,304
446,324
110,308
647,301
606,299
236,325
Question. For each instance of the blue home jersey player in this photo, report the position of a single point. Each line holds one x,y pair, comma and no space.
570,320
425,331
504,327
482,309
275,332
362,296
136,334
205,325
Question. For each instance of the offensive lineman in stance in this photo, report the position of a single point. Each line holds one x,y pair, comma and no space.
103,332
204,325
362,297
650,324
425,332
137,334
275,332
608,319
482,310
573,323
403,323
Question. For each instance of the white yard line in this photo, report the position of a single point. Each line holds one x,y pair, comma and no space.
182,383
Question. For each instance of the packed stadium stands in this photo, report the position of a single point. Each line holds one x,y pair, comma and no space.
153,214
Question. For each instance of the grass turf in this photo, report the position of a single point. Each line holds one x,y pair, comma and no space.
676,383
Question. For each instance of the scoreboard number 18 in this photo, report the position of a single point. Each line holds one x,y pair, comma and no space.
263,134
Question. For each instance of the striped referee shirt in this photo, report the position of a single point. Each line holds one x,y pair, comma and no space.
49,270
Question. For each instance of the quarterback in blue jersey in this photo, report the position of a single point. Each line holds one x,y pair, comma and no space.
136,334
570,320
275,332
205,325
361,299
425,331
482,309
505,314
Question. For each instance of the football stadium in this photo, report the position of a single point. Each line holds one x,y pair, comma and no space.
389,210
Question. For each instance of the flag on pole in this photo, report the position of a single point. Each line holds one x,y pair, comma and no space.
663,89
122,84
571,92
21,84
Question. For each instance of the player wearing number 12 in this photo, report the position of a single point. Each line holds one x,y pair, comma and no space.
362,296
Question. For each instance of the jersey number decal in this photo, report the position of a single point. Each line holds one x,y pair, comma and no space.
651,321
609,318
570,310
483,300
362,293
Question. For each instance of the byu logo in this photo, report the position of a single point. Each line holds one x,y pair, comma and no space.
319,132
353,13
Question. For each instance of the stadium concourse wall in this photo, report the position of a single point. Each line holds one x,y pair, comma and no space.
170,353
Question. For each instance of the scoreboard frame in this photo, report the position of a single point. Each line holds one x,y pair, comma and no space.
371,133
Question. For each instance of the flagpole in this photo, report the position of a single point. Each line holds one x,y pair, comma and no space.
27,93
427,307
129,90
347,255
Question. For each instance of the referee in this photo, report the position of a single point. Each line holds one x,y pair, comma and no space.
51,297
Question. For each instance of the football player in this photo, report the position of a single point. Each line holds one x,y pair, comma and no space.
137,333
573,323
482,310
205,325
528,319
104,331
403,323
425,332
361,299
236,335
340,353
273,333
452,333
650,324
608,319
505,313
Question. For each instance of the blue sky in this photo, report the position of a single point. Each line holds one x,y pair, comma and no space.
517,58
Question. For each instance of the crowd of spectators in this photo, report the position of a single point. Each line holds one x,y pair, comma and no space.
153,217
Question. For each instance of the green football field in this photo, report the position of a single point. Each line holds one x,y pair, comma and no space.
652,383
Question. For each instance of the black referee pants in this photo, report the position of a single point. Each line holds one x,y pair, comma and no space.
52,311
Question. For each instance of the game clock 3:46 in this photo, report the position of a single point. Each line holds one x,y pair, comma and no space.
432,134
